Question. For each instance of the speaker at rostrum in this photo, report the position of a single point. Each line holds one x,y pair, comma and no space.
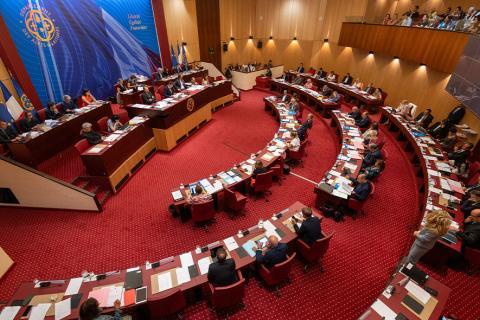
225,47
259,44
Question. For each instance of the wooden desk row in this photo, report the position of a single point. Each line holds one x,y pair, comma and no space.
279,223
436,173
187,76
45,141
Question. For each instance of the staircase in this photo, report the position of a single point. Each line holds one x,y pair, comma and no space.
214,72
102,193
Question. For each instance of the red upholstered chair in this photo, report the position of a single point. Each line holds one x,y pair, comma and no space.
314,88
277,173
210,79
384,154
230,296
59,107
82,146
80,102
473,169
263,183
42,114
296,157
123,115
384,95
357,206
314,253
199,80
202,213
277,274
472,256
473,179
173,303
336,77
234,201
102,124
219,78
299,114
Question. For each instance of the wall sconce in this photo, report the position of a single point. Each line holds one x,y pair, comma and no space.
422,64
294,38
396,58
370,52
250,37
232,38
184,44
271,37
325,40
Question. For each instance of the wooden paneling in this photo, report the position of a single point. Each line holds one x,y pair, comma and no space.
438,49
208,24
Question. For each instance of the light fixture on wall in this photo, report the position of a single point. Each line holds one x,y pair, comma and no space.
396,58
422,64
370,52
250,37
232,38
271,37
294,38
325,40
184,44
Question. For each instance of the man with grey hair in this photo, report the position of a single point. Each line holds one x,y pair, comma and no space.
274,252
92,137
68,104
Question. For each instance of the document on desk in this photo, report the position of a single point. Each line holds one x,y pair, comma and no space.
177,195
115,293
164,281
101,295
203,264
63,309
97,149
339,194
383,310
230,243
186,259
217,185
112,137
418,292
39,311
183,275
9,313
73,286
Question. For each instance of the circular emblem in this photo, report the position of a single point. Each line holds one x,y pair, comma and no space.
39,25
190,104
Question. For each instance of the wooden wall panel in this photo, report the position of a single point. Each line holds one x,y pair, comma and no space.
208,24
437,48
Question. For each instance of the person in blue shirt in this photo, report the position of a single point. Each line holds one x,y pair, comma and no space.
90,310
274,252
335,97
301,69
361,188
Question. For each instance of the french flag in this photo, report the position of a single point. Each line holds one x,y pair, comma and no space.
10,102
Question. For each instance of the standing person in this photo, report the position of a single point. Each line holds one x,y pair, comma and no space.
436,225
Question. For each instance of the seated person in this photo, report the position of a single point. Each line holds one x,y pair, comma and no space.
358,84
273,253
355,114
7,133
270,64
348,79
121,86
378,93
326,91
259,169
374,171
450,141
285,97
147,96
28,122
268,73
68,104
460,154
372,137
132,82
293,105
90,310
321,74
169,90
200,196
311,71
405,110
113,123
92,137
180,83
361,188
310,229
308,84
284,76
331,76
205,81
472,203
222,273
161,74
294,144
364,121
371,155
87,97
334,97
373,127
424,118
302,131
471,231
52,112
370,88
439,131
300,68
298,80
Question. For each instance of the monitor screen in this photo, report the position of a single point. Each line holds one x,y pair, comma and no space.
464,83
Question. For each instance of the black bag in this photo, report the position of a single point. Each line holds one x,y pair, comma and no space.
286,169
328,211
173,210
338,216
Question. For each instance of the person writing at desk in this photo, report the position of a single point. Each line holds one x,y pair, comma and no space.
92,137
471,231
436,225
355,114
371,155
378,93
222,273
374,171
364,121
67,104
294,144
308,84
28,122
334,97
331,76
6,133
321,74
52,112
169,90
87,97
273,253
370,88
361,187
200,196
358,84
424,118
113,124
90,310
132,82
348,79
326,91
179,83
147,96
310,230
293,105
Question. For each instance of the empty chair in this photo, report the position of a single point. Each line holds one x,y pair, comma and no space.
357,206
314,253
202,213
277,173
277,274
234,201
171,303
263,183
102,124
123,116
472,256
82,146
223,298
42,114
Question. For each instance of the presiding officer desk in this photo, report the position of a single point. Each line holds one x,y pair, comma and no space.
186,272
239,176
52,136
441,188
187,76
173,118
332,188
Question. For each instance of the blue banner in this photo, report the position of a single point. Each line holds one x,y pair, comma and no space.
71,45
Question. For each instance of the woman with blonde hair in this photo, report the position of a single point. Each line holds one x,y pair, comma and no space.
436,225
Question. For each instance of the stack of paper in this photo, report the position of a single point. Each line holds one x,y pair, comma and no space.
177,195
63,309
9,313
183,275
39,311
418,292
74,286
203,264
231,244
164,281
186,259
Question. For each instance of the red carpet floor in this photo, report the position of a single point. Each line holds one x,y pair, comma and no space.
135,225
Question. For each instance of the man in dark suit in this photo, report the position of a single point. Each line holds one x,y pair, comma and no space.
301,69
361,188
222,273
321,74
28,122
285,97
364,121
424,118
180,84
68,104
275,252
460,154
259,169
310,229
7,134
306,125
371,156
169,90
370,88
347,79
355,114
52,112
147,96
